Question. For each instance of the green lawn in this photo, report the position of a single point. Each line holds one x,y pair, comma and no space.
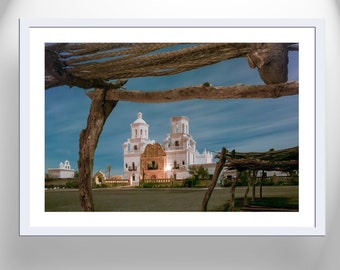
166,199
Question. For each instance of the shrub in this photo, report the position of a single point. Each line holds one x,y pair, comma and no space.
280,183
72,184
190,182
147,185
293,181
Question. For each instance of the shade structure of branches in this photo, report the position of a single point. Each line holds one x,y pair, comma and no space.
89,65
272,160
281,160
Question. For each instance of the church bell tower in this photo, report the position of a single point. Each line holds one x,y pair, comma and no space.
134,147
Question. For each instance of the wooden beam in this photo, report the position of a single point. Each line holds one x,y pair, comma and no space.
205,91
283,159
252,164
218,168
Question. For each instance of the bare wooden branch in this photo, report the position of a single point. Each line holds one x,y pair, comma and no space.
245,196
271,60
119,52
217,172
282,160
88,139
204,92
160,64
232,191
271,155
251,164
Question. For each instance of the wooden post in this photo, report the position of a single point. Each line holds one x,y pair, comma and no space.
232,192
253,182
99,111
245,198
261,183
218,168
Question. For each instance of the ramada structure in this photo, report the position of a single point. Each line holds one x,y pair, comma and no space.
147,160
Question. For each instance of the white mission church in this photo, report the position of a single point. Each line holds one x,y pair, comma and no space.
147,159
64,171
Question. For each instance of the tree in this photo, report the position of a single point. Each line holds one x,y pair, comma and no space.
108,169
101,70
198,172
99,111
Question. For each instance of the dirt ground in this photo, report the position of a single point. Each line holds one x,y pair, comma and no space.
164,199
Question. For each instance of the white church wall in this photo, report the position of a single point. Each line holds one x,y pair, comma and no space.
64,171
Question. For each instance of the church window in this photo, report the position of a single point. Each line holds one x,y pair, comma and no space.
135,147
183,162
126,165
141,132
176,143
152,165
183,128
136,133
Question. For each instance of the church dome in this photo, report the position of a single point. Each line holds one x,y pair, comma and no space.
139,119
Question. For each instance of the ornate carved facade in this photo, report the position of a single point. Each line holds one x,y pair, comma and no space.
153,162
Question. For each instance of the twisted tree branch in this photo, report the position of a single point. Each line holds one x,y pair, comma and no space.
205,92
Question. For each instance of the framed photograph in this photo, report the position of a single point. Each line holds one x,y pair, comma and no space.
172,127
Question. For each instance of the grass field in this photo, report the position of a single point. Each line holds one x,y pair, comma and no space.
169,200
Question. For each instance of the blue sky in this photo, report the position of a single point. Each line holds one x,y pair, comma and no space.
240,124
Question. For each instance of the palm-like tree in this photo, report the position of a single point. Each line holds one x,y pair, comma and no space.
108,169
